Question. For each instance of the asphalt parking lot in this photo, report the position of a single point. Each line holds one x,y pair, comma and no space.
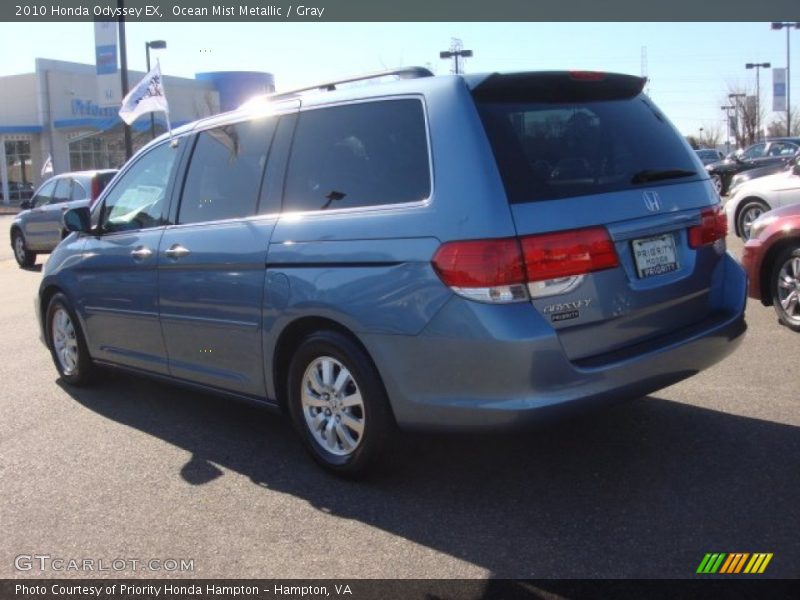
133,469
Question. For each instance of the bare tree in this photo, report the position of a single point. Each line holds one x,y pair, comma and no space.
744,127
710,136
777,127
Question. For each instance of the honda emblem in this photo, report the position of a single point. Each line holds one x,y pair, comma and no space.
652,201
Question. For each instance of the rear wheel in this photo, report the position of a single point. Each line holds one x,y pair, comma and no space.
786,287
338,404
751,210
25,258
717,181
66,342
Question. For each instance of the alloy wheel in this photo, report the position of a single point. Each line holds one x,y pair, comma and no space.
788,288
748,217
65,341
19,248
332,406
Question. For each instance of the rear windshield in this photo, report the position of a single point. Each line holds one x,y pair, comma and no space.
547,151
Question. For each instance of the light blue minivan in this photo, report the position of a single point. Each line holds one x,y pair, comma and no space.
464,252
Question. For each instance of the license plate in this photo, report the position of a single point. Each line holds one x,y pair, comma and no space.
655,255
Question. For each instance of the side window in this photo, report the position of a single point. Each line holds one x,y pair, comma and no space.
63,190
78,191
364,154
225,172
138,198
756,151
44,194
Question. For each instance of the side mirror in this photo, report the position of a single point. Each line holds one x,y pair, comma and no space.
25,204
78,219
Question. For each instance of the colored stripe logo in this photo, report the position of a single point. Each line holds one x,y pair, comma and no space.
736,562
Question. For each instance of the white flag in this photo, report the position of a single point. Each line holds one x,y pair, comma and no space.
147,96
47,167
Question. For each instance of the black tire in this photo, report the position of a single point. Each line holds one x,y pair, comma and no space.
716,180
750,210
25,258
83,371
375,413
787,268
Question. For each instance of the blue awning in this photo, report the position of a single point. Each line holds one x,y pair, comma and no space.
20,129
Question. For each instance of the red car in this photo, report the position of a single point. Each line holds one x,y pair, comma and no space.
772,261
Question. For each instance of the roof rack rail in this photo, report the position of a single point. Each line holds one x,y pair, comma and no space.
404,73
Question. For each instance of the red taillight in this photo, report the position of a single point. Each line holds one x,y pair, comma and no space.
587,75
565,253
480,263
713,226
96,189
496,270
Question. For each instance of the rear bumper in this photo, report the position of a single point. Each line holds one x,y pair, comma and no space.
486,368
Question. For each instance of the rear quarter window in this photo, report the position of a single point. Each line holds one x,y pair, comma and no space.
363,154
546,151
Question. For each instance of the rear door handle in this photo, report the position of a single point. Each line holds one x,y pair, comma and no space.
141,252
177,251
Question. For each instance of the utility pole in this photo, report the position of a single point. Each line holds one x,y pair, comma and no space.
728,125
778,27
456,51
758,67
123,73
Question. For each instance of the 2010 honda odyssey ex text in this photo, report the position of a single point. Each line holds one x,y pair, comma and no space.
454,253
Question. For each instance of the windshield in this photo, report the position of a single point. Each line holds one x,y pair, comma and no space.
547,151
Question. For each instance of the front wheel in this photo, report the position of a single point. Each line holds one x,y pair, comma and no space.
747,216
338,404
786,288
67,343
25,258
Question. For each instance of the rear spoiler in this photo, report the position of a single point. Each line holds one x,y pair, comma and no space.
554,86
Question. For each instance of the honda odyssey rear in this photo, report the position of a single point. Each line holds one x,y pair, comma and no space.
452,253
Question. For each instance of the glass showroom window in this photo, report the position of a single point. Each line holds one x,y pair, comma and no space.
87,153
20,172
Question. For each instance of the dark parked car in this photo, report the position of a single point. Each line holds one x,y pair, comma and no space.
444,253
777,152
39,228
772,260
708,156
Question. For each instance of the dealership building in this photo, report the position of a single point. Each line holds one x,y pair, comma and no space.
54,112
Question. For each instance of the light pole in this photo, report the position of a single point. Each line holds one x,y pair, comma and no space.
778,27
758,67
734,98
456,51
155,45
728,124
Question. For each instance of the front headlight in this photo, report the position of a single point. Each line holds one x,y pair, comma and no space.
761,223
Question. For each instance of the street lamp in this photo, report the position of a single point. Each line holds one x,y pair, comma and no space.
778,27
734,98
155,45
758,67
728,122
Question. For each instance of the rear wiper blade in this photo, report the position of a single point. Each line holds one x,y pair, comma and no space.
654,175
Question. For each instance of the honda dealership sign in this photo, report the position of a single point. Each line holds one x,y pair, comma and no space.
108,84
778,90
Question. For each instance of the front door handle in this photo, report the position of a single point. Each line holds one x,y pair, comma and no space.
141,252
177,251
